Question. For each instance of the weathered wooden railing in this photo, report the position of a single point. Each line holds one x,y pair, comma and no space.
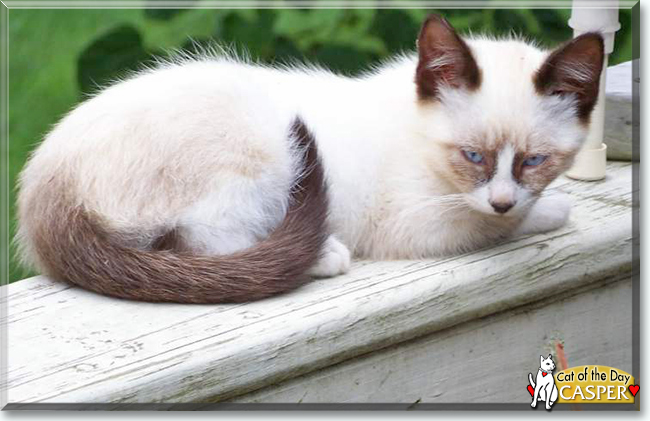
461,329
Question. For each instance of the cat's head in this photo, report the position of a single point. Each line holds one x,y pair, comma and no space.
546,364
509,117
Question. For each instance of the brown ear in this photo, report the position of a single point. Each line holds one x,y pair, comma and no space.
444,59
574,69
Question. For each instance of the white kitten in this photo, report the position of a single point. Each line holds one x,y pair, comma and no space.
544,386
212,180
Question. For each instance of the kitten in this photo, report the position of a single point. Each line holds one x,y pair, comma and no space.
214,180
545,388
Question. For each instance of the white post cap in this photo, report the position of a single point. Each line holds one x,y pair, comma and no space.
599,16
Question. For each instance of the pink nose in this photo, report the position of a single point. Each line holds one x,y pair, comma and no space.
502,207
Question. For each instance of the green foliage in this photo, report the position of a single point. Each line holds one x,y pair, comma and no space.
122,44
57,56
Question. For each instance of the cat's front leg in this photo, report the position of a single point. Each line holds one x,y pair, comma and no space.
547,214
549,393
554,394
335,260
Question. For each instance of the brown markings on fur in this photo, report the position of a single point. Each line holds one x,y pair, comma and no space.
536,179
438,39
76,246
171,241
557,76
518,165
466,174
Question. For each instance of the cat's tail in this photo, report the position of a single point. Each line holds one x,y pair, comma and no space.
530,379
74,245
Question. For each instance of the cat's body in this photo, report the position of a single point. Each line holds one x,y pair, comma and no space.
544,388
201,149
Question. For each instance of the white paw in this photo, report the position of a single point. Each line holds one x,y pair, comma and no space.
547,214
334,261
557,208
554,210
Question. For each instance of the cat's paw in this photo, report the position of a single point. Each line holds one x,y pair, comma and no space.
547,214
335,260
534,404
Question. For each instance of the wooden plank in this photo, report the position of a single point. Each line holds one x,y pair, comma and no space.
483,361
618,111
69,345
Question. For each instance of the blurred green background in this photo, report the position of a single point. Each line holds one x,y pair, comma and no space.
58,56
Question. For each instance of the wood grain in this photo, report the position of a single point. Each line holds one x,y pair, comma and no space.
485,360
618,111
69,345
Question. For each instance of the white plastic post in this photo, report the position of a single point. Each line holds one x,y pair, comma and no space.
591,161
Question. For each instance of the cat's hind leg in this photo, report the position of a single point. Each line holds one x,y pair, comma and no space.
235,216
536,395
542,394
335,260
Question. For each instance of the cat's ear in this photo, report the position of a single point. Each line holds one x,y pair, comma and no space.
550,357
574,69
444,59
541,360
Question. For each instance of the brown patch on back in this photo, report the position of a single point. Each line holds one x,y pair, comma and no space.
574,69
76,246
439,43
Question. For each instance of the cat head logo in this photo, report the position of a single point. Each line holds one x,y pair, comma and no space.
542,387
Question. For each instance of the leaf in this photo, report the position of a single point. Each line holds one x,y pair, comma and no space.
110,56
363,18
556,27
253,36
418,16
396,29
309,27
340,58
529,20
162,14
292,22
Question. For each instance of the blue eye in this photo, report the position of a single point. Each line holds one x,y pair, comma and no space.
474,157
534,160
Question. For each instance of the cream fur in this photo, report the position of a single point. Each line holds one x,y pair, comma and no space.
201,145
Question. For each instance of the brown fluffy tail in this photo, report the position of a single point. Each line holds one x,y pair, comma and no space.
73,245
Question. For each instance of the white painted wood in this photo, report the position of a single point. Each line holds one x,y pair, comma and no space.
483,361
618,111
68,345
591,161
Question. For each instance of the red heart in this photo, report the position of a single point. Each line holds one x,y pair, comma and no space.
544,374
634,389
531,390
